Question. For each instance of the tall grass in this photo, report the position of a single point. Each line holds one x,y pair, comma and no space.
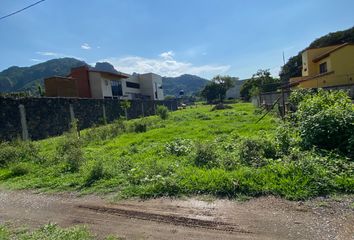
195,151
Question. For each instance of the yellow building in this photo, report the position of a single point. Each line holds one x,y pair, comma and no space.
325,67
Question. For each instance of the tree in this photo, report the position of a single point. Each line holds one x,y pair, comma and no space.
216,90
210,92
291,69
262,81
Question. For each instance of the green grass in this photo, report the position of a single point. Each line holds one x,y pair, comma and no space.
194,151
47,232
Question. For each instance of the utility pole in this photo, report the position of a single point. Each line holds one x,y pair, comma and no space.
282,92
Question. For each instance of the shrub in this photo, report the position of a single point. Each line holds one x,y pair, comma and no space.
205,155
140,127
103,133
96,173
69,150
179,146
18,151
220,106
256,152
326,120
162,111
19,169
298,96
286,137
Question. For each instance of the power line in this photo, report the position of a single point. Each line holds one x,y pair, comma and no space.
11,14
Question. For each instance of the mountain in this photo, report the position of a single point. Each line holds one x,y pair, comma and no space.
293,67
16,79
105,67
190,84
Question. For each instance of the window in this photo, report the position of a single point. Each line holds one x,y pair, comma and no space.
116,88
323,67
132,85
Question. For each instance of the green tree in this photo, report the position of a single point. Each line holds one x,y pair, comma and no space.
262,81
217,88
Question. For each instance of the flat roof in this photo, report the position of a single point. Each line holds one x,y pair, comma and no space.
61,77
120,75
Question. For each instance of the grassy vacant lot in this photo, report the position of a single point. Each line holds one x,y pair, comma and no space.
195,151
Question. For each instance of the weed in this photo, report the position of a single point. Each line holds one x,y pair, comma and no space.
140,127
179,147
162,111
205,155
69,150
96,173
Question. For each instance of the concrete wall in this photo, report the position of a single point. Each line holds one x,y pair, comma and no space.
45,117
151,83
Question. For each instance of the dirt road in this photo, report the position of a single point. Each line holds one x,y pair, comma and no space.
262,218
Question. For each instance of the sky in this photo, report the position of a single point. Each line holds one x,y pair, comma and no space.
169,37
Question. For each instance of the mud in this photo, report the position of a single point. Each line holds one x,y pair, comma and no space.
164,218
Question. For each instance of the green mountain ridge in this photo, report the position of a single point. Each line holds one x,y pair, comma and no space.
190,84
16,79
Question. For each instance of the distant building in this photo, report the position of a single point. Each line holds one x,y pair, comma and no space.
84,82
326,67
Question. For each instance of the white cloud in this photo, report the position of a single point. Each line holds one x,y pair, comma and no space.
86,46
51,54
36,60
167,55
165,65
55,55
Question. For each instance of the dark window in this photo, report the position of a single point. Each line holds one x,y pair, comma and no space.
323,67
116,88
133,85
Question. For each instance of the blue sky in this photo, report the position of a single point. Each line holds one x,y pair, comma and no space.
169,37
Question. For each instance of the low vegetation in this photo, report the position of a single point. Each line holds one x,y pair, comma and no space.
47,232
197,151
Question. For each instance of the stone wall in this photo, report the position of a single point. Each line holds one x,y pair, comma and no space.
39,118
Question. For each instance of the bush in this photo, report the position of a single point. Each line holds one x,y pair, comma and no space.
256,152
162,111
206,155
96,173
298,96
18,151
103,133
220,106
179,146
140,127
326,120
19,170
286,137
69,150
